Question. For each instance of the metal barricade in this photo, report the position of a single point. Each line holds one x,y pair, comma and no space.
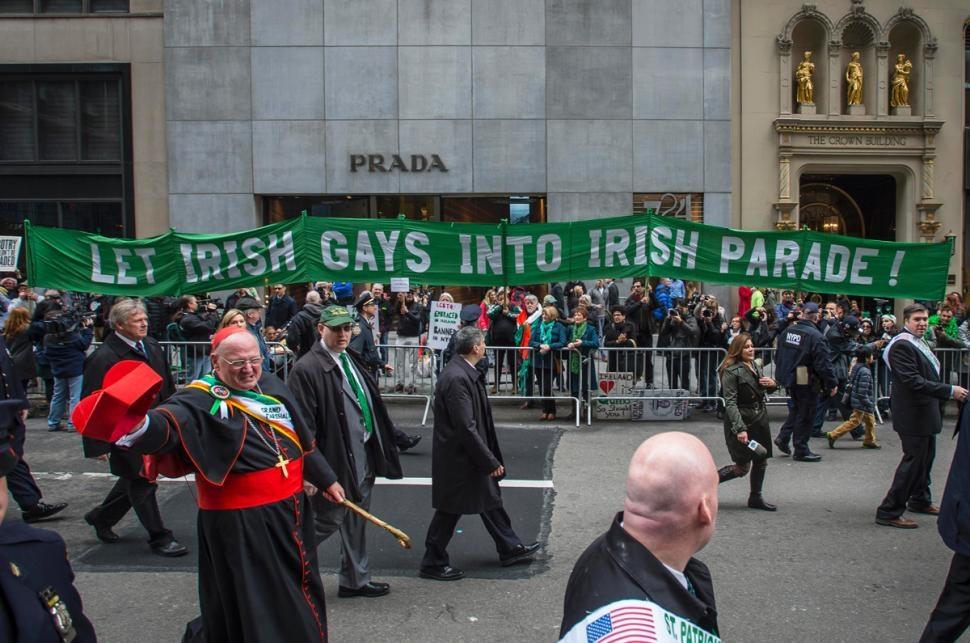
515,373
690,369
413,373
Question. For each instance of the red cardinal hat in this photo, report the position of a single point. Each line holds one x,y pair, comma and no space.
129,389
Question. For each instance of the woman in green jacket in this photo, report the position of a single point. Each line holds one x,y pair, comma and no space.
746,417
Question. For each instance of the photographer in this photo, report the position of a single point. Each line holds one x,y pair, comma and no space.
65,344
412,319
713,329
620,334
641,310
679,330
842,339
197,326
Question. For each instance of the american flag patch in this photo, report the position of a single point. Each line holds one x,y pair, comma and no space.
626,623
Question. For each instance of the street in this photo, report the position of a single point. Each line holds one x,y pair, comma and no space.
817,570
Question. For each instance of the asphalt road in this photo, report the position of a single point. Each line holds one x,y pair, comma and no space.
817,570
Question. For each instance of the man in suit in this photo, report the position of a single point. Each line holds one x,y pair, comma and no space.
37,594
466,463
648,553
354,433
915,399
951,617
129,341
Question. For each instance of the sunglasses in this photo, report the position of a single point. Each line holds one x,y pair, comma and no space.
346,328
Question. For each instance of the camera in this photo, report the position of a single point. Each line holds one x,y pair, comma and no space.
66,322
706,312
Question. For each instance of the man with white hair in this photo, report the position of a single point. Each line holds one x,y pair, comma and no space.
129,341
647,555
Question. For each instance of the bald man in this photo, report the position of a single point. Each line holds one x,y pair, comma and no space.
647,554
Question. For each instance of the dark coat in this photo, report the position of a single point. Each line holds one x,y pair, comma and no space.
22,352
317,385
617,567
559,340
916,391
465,449
954,520
302,331
114,350
40,557
65,352
198,326
861,397
744,410
280,310
363,342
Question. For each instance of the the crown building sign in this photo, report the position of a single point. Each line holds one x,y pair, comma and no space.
396,163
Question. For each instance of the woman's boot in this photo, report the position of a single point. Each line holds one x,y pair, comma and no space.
755,501
727,473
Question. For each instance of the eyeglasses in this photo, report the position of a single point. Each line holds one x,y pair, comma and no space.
346,328
239,363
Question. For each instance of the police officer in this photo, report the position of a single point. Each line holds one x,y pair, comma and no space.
38,601
803,367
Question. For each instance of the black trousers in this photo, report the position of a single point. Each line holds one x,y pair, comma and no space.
951,616
20,481
801,414
911,483
442,528
644,360
132,491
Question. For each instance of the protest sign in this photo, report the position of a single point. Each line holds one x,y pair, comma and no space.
400,284
9,253
367,250
444,323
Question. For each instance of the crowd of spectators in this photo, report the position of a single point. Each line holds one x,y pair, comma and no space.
542,344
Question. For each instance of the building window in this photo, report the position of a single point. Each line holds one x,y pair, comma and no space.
60,120
65,151
64,6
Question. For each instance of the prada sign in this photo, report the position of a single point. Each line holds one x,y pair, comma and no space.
395,162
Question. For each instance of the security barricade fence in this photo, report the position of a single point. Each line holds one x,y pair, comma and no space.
652,382
413,373
605,377
525,373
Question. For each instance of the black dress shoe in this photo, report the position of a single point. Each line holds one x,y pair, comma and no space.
445,572
521,554
370,590
103,532
807,457
410,443
757,502
42,511
784,448
172,549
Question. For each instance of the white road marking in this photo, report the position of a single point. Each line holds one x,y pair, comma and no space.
405,482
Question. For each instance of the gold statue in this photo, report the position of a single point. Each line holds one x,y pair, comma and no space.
900,92
805,94
853,80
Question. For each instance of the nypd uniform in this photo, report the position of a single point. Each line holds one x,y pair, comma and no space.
802,345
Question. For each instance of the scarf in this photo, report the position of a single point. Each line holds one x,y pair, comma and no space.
260,407
575,357
545,332
920,345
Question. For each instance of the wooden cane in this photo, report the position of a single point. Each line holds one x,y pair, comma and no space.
402,538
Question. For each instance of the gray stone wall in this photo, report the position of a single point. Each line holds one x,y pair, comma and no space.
588,101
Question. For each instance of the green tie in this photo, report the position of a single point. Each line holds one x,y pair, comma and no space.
361,398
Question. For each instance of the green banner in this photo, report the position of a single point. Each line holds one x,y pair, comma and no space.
365,250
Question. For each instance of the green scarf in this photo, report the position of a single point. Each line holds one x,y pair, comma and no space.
545,332
575,357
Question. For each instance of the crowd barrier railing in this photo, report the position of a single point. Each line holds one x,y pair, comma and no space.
413,373
693,370
523,373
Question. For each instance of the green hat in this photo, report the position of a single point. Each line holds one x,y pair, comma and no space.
336,316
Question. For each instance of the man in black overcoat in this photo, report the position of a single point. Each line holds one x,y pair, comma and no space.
354,433
466,463
129,341
951,617
648,553
915,399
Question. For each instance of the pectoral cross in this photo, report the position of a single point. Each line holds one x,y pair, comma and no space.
282,465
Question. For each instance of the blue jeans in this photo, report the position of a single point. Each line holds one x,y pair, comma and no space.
65,389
